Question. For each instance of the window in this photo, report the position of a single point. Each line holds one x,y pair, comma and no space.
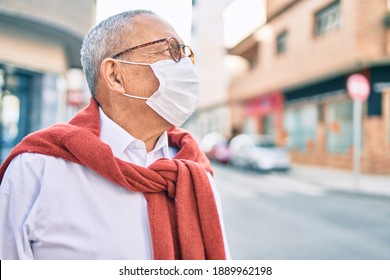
339,127
328,19
281,42
301,126
387,102
268,125
249,126
10,117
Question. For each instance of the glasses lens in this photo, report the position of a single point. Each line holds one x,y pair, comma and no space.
174,49
189,53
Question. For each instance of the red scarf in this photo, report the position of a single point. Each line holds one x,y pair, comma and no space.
183,216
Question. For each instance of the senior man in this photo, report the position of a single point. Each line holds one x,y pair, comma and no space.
120,180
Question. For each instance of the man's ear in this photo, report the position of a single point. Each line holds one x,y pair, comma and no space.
112,75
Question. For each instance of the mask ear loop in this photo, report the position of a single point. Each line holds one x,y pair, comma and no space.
136,97
134,63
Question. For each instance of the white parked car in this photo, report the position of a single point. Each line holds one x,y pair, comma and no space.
258,152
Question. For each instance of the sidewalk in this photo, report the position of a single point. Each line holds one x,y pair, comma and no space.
342,180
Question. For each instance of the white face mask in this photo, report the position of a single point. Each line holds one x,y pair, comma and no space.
177,96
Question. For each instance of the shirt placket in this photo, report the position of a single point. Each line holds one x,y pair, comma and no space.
149,158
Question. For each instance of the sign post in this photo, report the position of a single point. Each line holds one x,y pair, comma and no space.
358,88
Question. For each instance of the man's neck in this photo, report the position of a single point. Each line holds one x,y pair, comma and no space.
139,120
148,132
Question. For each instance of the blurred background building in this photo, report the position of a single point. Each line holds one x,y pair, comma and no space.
41,81
294,84
207,40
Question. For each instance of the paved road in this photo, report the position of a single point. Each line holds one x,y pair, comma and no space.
277,216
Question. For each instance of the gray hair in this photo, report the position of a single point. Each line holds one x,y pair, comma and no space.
102,41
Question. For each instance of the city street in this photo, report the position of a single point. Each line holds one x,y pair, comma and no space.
281,216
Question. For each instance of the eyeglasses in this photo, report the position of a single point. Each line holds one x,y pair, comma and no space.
176,50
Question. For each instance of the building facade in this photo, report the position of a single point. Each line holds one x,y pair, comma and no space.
294,87
41,81
213,113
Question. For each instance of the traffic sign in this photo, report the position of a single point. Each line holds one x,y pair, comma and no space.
358,87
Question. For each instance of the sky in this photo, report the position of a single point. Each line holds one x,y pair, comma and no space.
176,12
241,18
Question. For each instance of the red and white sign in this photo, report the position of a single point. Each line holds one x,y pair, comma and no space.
358,87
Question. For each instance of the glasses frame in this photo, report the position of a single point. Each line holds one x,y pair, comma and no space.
167,39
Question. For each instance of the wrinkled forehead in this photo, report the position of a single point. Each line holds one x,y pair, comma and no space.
147,28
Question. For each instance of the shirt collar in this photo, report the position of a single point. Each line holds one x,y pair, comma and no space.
162,143
119,139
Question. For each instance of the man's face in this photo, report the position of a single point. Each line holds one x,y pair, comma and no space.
147,28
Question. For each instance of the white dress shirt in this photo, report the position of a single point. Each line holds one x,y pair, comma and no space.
51,208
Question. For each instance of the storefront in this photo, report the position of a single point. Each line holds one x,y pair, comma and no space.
318,120
29,101
264,115
36,58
